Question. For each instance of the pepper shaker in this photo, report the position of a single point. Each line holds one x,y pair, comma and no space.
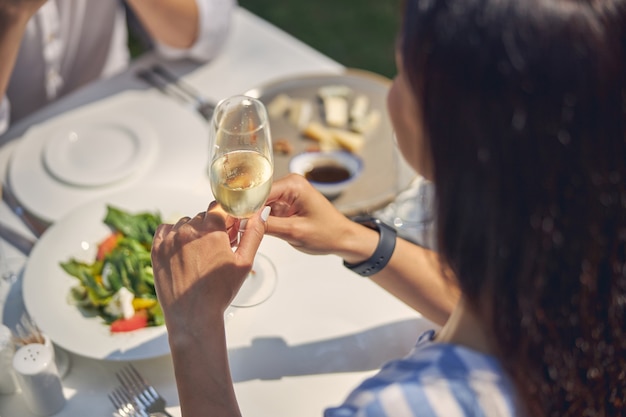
8,384
38,377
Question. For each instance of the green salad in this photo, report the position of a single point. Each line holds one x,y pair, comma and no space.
118,285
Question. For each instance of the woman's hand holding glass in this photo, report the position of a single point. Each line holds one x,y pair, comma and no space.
308,221
197,274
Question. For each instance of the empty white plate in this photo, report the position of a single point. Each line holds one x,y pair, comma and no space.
97,153
177,151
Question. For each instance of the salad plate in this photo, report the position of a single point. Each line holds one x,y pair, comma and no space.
46,286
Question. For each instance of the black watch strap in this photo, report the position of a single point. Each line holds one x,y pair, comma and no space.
383,252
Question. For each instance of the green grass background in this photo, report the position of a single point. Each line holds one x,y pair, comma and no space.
355,33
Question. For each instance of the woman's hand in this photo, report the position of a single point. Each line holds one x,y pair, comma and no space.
304,218
196,272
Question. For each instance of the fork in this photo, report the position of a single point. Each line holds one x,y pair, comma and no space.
127,407
141,397
171,85
124,404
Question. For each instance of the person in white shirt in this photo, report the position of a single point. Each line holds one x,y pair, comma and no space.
49,48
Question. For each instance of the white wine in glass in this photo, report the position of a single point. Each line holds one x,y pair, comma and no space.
241,171
241,181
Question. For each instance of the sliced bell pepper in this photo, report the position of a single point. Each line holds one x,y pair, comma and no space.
136,322
107,245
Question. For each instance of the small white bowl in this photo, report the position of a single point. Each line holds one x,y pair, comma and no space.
329,172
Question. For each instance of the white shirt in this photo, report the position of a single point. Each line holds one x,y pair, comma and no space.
69,43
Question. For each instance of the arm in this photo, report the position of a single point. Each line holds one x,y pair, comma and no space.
13,19
414,275
172,22
197,276
301,216
186,28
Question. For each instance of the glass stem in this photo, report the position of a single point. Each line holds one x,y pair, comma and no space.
240,230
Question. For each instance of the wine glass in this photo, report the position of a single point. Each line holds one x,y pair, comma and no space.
240,172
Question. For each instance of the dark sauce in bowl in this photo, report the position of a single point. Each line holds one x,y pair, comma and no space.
327,174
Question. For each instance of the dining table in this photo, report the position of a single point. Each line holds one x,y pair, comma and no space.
323,330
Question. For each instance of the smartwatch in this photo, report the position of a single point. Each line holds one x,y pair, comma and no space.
383,252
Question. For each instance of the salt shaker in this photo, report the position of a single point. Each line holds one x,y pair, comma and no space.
8,384
38,377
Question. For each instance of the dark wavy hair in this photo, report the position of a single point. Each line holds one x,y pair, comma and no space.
524,105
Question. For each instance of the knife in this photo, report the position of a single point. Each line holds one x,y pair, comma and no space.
22,243
168,84
37,226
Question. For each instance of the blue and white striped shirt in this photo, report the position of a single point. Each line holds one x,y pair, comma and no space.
433,380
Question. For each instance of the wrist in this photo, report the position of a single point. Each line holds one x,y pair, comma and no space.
380,256
358,243
184,330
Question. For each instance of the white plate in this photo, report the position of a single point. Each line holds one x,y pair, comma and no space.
99,152
46,286
179,156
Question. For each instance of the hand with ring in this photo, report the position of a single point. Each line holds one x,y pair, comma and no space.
196,272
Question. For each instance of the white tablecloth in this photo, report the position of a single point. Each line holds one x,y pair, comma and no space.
322,331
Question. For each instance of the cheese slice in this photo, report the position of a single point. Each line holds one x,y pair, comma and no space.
336,111
366,124
359,108
300,113
279,106
350,141
318,132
